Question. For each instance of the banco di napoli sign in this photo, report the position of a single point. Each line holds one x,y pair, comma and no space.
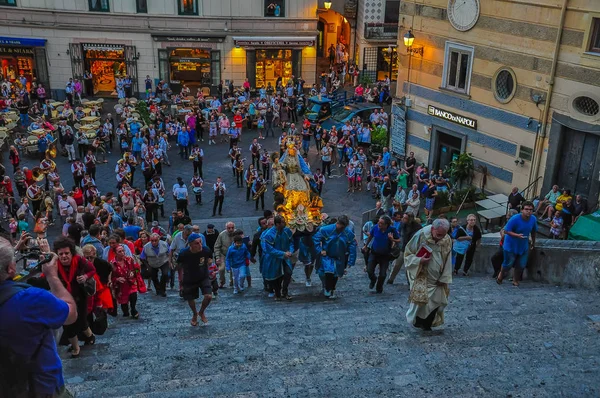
452,117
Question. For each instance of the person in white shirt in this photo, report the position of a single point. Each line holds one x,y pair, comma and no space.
180,193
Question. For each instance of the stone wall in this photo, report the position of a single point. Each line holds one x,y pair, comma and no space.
558,262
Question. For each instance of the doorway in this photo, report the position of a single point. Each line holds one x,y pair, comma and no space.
446,145
577,159
321,38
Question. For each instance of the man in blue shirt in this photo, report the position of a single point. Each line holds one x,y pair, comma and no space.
380,241
27,318
516,242
131,229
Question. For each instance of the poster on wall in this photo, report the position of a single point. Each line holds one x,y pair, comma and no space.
398,131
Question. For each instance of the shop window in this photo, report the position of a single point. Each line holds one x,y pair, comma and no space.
272,66
525,153
106,63
8,2
504,85
594,45
99,5
141,6
188,7
275,8
215,67
190,66
457,68
163,65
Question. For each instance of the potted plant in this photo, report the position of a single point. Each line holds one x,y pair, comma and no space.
379,139
442,202
461,169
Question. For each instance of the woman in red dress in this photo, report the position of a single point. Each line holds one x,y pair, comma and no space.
126,281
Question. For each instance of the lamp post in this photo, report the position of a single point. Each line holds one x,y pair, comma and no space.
327,5
409,39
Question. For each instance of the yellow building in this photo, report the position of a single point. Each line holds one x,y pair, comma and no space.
515,83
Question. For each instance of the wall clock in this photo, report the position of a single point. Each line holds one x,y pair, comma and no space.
463,14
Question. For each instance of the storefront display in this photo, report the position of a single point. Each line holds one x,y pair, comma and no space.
190,66
272,65
18,60
106,63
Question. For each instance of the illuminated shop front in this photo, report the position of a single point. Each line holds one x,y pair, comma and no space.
23,60
271,59
106,63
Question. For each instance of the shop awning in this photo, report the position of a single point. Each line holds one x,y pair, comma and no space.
26,42
274,42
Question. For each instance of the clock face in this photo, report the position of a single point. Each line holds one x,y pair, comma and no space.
463,14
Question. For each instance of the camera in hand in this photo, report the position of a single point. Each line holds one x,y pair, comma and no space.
31,269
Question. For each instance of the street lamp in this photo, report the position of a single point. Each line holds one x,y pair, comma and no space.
409,39
327,5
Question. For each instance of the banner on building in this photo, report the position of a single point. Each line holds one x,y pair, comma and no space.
398,131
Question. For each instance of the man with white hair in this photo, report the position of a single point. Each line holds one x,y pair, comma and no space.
428,262
156,254
222,244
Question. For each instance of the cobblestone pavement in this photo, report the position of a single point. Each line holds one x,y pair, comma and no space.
216,163
498,341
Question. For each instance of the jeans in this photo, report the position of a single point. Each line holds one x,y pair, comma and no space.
383,261
512,259
183,151
239,276
326,166
70,151
305,146
160,286
470,253
269,126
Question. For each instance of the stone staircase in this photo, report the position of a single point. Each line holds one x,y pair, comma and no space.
357,345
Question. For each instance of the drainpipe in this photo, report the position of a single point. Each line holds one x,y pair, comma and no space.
539,139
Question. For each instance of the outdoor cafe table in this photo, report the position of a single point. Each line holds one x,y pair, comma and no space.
89,119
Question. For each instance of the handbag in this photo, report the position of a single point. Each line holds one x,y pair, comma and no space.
90,286
461,246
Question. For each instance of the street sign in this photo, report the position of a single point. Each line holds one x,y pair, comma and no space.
398,131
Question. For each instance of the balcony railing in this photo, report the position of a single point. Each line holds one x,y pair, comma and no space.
381,31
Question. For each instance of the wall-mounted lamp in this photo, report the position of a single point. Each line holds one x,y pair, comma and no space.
68,52
519,161
327,5
137,56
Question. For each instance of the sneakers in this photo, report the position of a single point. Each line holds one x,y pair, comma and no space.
332,296
548,219
308,283
271,295
235,291
327,293
241,289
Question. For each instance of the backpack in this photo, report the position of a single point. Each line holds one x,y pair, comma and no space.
15,371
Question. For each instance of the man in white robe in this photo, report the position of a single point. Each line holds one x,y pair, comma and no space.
433,273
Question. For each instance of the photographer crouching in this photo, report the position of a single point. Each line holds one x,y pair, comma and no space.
29,361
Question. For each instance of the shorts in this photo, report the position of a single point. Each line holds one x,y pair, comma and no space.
516,260
193,292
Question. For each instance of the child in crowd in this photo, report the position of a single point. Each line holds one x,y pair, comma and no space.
212,131
22,225
351,173
556,226
359,172
236,259
260,123
13,226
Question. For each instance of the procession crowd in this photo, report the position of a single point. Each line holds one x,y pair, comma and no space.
113,247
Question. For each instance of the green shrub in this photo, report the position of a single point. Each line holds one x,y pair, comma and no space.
379,136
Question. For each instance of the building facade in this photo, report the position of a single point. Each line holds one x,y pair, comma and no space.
516,84
376,36
192,42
